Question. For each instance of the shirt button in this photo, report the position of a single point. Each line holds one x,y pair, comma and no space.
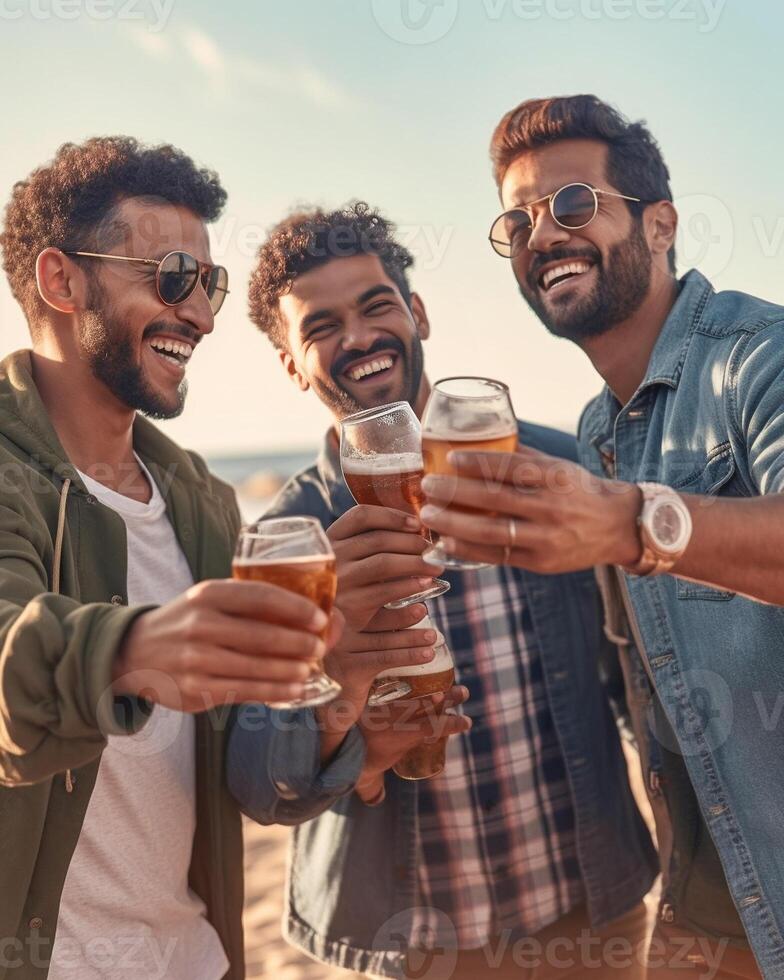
117,600
91,499
36,922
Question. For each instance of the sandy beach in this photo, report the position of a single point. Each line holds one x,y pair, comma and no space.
268,955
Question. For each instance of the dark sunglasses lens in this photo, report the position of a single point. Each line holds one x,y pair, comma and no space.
177,277
509,235
217,287
574,206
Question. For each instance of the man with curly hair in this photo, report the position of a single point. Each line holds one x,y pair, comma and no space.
121,846
530,839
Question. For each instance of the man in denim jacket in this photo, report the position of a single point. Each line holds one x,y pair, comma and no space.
679,502
531,833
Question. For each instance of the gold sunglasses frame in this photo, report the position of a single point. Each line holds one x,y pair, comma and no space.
526,208
203,267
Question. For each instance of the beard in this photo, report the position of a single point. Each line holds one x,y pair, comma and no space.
114,360
621,286
341,402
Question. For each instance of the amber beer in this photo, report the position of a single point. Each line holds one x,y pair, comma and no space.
423,680
387,481
315,578
435,449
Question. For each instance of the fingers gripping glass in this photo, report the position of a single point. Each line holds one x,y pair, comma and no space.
294,554
470,415
177,274
381,459
572,206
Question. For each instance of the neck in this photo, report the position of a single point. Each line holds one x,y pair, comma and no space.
95,429
622,354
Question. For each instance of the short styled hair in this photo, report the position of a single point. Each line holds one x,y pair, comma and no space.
310,238
62,203
635,165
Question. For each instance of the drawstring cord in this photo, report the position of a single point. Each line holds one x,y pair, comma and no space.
58,557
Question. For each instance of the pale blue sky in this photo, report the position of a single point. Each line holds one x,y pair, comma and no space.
321,101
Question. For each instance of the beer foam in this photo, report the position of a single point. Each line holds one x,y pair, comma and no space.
458,435
283,559
382,463
441,661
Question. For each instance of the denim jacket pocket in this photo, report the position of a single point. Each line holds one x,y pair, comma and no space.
717,473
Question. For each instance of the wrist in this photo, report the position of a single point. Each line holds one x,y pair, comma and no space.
370,786
124,669
624,543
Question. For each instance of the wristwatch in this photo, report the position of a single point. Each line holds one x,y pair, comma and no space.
665,529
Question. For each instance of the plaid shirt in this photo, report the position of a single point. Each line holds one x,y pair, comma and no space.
497,827
497,844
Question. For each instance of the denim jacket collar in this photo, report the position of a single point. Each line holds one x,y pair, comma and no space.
667,358
331,473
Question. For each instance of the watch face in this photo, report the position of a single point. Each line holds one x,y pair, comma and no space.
667,526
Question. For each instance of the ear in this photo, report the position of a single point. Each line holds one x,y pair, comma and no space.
61,283
661,225
290,366
419,314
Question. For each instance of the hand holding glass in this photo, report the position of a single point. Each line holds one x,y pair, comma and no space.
466,414
381,458
294,554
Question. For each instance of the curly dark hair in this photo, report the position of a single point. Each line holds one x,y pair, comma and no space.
310,238
635,164
62,203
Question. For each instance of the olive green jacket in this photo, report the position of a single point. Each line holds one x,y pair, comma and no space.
56,655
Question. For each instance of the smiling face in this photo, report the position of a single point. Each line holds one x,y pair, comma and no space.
580,283
351,336
135,345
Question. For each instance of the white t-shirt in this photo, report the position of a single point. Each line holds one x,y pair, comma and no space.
126,909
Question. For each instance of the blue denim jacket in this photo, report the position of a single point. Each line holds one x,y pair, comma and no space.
709,419
352,877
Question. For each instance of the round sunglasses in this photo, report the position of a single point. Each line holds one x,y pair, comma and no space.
177,274
572,206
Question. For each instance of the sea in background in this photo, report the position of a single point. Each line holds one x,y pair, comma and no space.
258,478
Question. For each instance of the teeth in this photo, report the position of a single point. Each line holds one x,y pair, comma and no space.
182,350
570,268
373,367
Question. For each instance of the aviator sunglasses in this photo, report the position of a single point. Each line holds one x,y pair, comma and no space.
176,276
572,206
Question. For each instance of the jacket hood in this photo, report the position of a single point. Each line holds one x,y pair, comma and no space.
28,432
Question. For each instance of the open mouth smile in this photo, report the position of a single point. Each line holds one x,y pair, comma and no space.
372,367
173,352
556,275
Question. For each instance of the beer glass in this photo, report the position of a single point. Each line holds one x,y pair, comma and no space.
294,554
471,414
381,458
438,676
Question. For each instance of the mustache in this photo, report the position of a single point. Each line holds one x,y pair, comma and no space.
541,259
189,334
344,361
